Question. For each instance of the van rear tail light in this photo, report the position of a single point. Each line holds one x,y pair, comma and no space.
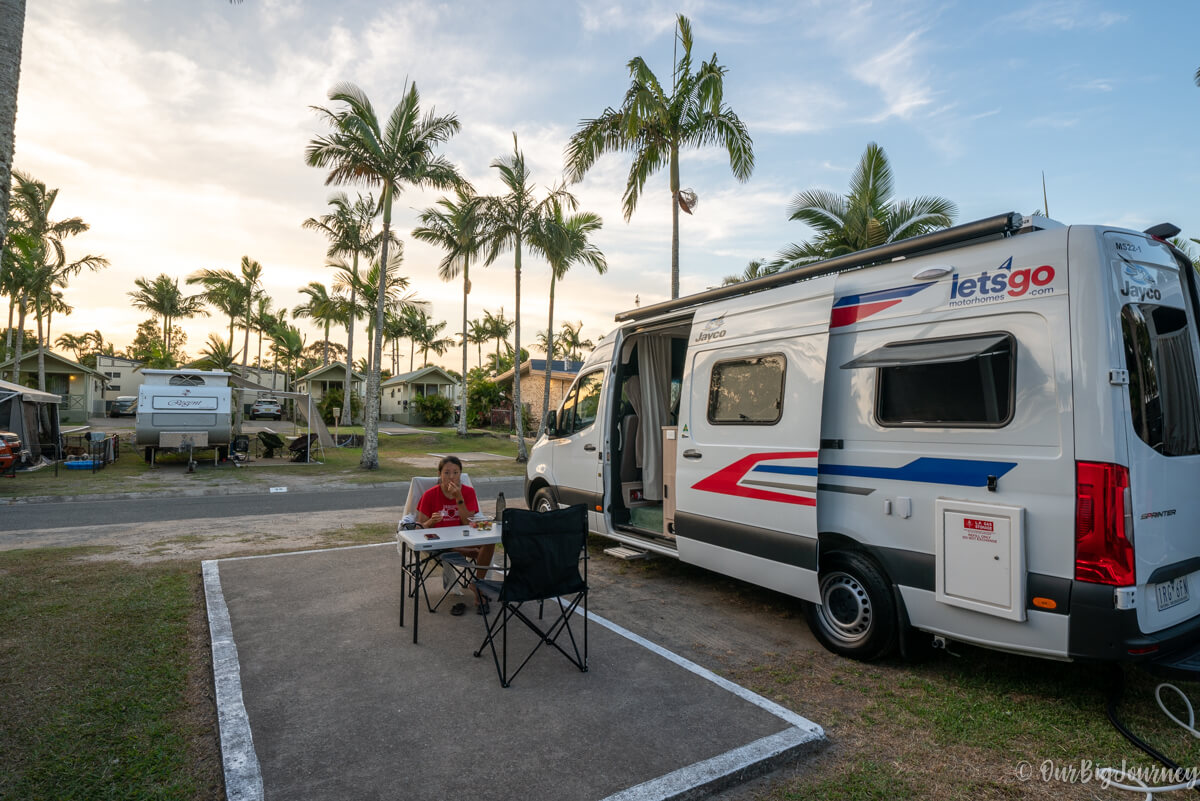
1103,550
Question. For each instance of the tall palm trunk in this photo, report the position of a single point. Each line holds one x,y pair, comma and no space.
350,345
462,397
370,455
674,221
12,31
325,351
21,306
549,356
41,343
522,454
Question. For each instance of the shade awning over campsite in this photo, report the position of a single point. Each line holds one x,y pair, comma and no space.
7,388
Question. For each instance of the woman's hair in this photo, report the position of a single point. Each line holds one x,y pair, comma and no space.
445,460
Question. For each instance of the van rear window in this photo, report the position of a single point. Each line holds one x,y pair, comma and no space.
960,382
1164,401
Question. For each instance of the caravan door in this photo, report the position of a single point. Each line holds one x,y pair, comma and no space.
749,437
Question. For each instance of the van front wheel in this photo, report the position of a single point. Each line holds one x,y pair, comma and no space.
857,614
543,500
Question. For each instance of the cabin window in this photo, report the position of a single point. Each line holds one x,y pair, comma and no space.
964,382
582,403
1163,398
186,381
747,391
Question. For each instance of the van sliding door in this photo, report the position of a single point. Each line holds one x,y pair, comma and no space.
749,437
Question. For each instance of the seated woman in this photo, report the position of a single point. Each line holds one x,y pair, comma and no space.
452,504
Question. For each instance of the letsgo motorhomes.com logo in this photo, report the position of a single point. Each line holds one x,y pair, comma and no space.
1003,283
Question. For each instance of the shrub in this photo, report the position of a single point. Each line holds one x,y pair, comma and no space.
482,397
332,400
436,410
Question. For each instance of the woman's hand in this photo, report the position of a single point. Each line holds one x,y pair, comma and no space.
433,520
453,490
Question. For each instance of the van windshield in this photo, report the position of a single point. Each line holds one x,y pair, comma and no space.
1163,396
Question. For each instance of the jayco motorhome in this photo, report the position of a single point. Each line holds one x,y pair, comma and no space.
988,434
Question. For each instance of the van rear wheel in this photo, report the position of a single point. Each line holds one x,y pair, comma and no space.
857,614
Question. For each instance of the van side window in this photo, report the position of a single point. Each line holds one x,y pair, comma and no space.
747,391
957,382
582,402
1163,398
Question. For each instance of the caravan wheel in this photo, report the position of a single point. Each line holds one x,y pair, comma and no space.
857,614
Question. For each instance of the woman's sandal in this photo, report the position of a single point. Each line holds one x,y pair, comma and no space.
482,609
458,609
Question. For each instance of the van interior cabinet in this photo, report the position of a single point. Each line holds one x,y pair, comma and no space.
668,454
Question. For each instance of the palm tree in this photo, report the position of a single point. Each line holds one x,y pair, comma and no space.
368,289
512,219
77,344
654,125
757,268
217,355
249,290
427,337
564,240
498,328
322,308
457,227
864,218
39,257
391,156
477,334
222,290
350,229
262,320
572,341
162,296
287,343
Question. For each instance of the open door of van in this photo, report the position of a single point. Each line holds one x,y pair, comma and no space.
749,437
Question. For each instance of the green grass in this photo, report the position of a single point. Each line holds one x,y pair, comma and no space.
130,473
93,676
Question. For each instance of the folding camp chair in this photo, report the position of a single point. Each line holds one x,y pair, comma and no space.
270,442
301,447
541,562
459,570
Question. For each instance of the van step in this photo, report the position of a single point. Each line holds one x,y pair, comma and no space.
626,553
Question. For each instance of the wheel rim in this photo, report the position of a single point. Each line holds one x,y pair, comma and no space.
544,504
846,609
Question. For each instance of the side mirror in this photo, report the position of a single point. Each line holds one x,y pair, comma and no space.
552,423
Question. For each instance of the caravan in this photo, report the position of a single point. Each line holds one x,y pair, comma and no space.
987,434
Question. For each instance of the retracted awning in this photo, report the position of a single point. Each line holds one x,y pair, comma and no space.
930,351
8,389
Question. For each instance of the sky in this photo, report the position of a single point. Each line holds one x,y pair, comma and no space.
177,129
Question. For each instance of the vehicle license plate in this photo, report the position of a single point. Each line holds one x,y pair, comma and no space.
1172,593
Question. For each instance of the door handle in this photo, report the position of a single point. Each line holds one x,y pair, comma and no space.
589,447
691,454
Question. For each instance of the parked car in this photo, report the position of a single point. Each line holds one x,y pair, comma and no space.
10,450
124,406
266,408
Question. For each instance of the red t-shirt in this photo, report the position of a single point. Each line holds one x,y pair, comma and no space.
434,500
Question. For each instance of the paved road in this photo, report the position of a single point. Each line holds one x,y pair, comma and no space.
87,512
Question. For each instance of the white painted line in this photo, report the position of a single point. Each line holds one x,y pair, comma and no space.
775,709
686,780
243,775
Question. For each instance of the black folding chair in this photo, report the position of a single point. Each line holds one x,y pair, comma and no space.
270,442
542,551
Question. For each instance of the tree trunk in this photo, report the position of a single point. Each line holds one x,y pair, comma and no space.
41,343
20,340
462,396
325,353
674,222
346,384
522,454
12,32
370,454
549,357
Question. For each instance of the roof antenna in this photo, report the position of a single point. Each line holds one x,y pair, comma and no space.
1045,200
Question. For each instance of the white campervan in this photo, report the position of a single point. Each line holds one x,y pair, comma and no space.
988,434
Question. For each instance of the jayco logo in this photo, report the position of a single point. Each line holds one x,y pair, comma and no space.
1004,280
713,329
1139,283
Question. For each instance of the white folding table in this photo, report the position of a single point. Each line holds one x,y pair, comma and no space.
417,546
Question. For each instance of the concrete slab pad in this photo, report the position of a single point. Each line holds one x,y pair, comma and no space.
321,695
